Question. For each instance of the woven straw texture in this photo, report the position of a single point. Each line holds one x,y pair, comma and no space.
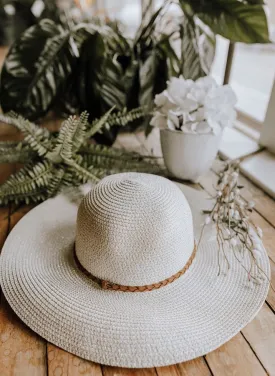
134,229
185,319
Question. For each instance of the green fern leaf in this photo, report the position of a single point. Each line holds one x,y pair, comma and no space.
71,136
81,173
97,125
37,138
31,177
15,152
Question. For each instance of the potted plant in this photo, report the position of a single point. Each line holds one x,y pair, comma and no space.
94,66
192,116
18,15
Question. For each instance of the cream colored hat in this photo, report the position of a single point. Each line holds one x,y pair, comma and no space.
121,282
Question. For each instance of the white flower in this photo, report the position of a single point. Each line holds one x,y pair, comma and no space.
159,120
220,96
203,127
227,231
259,232
197,95
164,103
237,215
258,280
173,121
199,115
251,204
209,107
179,87
256,240
207,220
224,116
231,197
206,83
189,128
214,125
250,284
177,91
257,254
161,99
233,242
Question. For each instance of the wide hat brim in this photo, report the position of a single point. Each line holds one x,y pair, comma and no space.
183,320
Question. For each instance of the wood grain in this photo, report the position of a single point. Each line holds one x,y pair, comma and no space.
118,371
4,225
250,192
260,334
235,358
268,231
196,367
22,352
62,363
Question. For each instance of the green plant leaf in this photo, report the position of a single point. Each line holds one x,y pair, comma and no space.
71,136
234,20
254,2
90,75
207,46
113,87
37,137
146,29
36,67
98,124
173,60
190,62
153,76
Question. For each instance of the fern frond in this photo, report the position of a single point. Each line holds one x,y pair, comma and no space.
35,196
31,177
98,124
123,118
66,159
38,138
15,152
56,182
105,151
105,157
79,135
71,136
81,173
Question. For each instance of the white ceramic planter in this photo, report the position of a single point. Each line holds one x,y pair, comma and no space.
188,156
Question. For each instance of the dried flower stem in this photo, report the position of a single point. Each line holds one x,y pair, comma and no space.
234,228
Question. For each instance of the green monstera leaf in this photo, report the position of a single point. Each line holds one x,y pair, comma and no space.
36,67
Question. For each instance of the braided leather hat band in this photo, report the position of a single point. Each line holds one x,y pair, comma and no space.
107,285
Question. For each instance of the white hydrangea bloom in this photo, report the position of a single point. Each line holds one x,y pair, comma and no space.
159,120
195,106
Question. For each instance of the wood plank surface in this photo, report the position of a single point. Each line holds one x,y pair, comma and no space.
62,363
260,334
22,352
237,344
118,371
235,358
268,232
249,353
196,367
250,192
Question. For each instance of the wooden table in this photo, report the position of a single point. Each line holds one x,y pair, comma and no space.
249,353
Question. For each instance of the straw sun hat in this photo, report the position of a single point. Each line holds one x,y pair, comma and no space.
120,281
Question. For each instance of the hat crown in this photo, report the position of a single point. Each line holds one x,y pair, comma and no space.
134,229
